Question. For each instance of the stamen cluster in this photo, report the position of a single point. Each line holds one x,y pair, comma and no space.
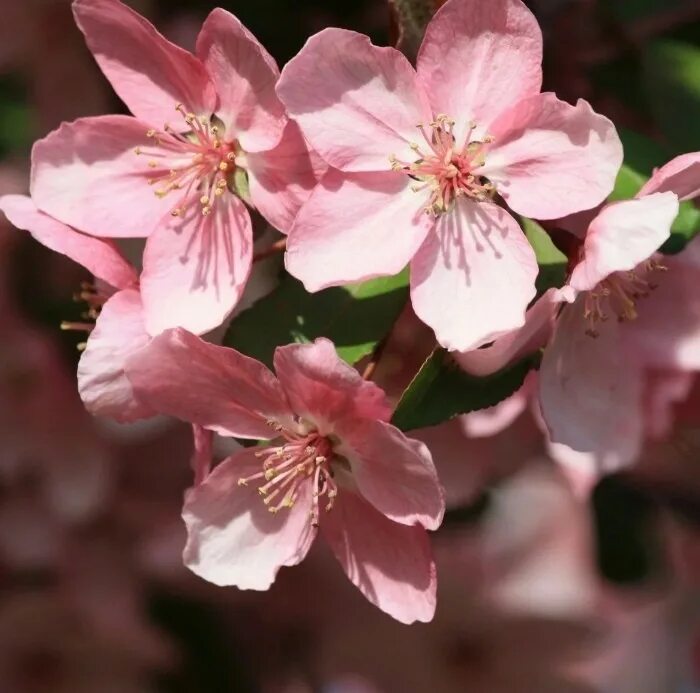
197,161
302,458
444,169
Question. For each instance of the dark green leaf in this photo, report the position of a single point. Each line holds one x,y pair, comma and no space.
551,261
354,317
684,229
672,80
441,390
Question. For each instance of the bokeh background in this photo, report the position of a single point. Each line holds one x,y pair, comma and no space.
541,590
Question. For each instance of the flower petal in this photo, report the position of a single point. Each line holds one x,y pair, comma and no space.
218,388
119,332
473,278
322,387
356,103
391,564
479,58
356,227
148,72
393,472
100,257
233,538
282,179
195,268
551,159
621,237
666,332
539,321
87,175
680,175
244,75
591,390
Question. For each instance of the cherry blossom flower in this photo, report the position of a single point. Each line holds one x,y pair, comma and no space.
419,157
335,466
208,134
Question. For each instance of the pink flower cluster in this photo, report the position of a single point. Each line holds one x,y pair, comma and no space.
367,165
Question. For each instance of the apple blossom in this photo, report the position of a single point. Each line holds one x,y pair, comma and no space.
335,464
418,158
208,133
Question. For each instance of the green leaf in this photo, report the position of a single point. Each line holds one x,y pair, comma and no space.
628,183
552,262
356,318
671,71
441,390
642,154
684,229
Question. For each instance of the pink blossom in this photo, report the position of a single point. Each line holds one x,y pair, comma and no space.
115,321
622,331
208,134
418,156
336,465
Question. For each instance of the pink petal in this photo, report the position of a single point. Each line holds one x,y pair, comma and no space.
622,236
394,473
119,332
666,332
202,459
590,390
282,179
551,159
218,388
325,389
232,538
539,321
356,103
491,421
195,268
472,279
391,564
356,227
680,175
87,175
244,75
100,257
150,74
664,390
479,58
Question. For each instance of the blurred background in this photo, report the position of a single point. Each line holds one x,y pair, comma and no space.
542,589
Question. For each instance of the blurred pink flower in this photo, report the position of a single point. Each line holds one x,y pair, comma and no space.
188,194
482,128
260,509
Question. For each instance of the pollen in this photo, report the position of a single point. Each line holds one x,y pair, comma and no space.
444,169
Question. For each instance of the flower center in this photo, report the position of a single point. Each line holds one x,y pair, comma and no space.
301,459
446,170
195,166
618,294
